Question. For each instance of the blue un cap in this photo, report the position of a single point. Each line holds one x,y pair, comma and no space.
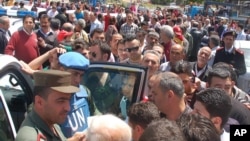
74,60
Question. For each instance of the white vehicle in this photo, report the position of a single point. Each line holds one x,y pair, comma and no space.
244,80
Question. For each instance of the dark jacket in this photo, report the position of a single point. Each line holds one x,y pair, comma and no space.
51,42
236,59
239,112
197,36
3,40
204,75
62,17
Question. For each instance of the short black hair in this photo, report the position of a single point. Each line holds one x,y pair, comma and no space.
182,67
96,30
217,102
215,39
130,37
104,47
80,43
29,16
45,16
218,72
228,67
143,113
55,23
162,130
240,26
198,128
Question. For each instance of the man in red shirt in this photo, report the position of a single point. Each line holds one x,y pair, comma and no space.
106,20
23,43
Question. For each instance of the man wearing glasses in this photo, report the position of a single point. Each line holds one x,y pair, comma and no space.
99,51
132,46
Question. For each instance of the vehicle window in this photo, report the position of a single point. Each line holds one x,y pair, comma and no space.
247,56
113,91
14,96
5,127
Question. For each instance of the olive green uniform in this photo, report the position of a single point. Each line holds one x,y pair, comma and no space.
34,128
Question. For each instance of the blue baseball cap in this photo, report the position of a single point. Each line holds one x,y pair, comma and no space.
74,60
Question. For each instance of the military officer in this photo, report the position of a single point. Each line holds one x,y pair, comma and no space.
229,54
52,93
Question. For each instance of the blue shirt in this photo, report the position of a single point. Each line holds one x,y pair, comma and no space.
77,117
79,15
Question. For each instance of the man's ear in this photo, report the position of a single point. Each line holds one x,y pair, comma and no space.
105,56
139,129
233,83
217,122
38,100
207,85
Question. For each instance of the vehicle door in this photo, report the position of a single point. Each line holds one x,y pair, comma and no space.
7,128
17,88
114,87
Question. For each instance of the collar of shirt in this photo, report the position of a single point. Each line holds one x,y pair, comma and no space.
27,32
199,72
46,34
229,50
215,48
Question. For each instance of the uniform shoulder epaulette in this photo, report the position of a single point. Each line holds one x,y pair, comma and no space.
239,51
220,48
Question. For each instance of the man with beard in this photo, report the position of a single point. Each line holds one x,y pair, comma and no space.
79,32
151,40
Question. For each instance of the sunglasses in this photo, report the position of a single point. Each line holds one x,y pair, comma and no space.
132,49
121,50
92,54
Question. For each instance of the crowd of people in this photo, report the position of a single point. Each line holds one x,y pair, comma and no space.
192,64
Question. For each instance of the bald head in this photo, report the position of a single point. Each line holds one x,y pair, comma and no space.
67,27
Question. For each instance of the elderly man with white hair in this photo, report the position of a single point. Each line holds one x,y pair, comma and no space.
166,38
108,128
79,32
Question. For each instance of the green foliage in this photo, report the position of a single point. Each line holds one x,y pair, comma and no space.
196,1
162,2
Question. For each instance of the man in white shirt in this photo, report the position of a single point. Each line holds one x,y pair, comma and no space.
95,23
241,35
52,12
214,44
